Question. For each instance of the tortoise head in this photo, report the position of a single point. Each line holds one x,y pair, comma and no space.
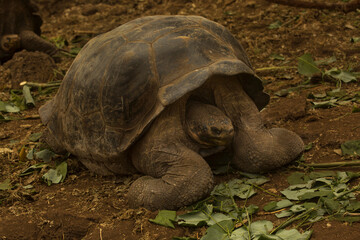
208,125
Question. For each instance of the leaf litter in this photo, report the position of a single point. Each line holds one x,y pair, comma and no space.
311,197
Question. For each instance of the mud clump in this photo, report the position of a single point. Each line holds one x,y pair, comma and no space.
27,66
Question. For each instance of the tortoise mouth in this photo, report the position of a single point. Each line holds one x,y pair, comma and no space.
224,138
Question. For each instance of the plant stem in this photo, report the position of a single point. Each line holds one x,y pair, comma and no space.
291,220
266,191
348,191
274,68
232,198
217,223
333,164
43,85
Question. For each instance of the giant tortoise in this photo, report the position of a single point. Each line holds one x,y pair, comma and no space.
158,94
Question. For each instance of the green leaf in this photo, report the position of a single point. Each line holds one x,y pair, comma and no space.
29,186
57,175
298,178
269,237
316,95
8,107
219,231
276,56
332,205
285,213
59,42
192,219
325,61
293,234
308,147
251,209
299,208
355,39
337,93
29,101
316,175
353,206
310,195
35,137
31,169
75,50
308,205
344,76
355,109
165,218
235,187
218,217
257,181
322,182
325,104
351,148
275,24
307,66
294,195
260,227
30,154
349,219
183,238
45,155
5,185
240,234
273,206
223,169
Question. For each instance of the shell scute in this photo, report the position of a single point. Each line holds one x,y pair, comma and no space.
129,87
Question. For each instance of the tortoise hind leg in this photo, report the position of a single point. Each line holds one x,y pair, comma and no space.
256,149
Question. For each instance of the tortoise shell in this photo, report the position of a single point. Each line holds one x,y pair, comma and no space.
123,79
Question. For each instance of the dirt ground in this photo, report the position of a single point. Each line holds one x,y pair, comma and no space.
86,206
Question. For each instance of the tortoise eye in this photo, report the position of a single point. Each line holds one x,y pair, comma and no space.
215,130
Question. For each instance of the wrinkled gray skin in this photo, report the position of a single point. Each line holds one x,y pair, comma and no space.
155,96
20,29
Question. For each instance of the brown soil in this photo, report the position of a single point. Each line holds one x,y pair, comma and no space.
86,206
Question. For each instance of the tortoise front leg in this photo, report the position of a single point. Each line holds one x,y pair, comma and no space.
32,42
176,175
256,149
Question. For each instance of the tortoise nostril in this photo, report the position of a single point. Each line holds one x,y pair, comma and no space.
215,130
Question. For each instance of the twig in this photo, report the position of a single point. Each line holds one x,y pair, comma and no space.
232,198
101,238
333,164
43,85
302,222
266,191
351,214
217,223
345,7
274,68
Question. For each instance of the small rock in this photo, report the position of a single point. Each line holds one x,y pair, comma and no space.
338,152
89,10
